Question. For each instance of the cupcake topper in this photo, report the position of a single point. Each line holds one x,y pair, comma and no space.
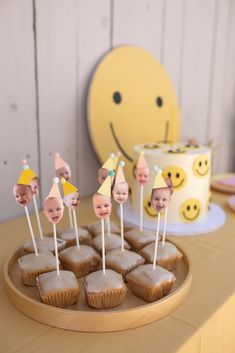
120,194
62,168
72,201
104,170
115,161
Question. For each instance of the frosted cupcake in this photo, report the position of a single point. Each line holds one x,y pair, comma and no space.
111,242
138,239
46,244
70,238
95,228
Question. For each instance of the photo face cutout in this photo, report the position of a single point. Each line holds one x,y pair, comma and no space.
72,200
190,210
53,209
102,206
201,166
35,185
120,192
160,199
142,175
102,175
23,194
64,172
177,176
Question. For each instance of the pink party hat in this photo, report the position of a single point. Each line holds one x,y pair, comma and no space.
55,191
59,162
141,161
120,177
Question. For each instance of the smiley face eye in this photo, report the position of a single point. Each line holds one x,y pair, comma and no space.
188,208
159,102
206,162
177,175
195,207
200,164
117,97
149,204
169,174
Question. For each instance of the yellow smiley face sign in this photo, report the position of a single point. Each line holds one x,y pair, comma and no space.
190,210
177,175
148,208
201,166
131,100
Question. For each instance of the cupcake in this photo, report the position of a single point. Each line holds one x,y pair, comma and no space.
123,261
58,290
138,239
150,284
70,238
45,244
95,228
31,266
80,260
168,256
111,242
104,290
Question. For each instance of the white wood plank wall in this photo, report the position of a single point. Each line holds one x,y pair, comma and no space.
50,48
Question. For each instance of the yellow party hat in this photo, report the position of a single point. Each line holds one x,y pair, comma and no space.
68,188
55,191
159,182
105,188
142,161
120,177
26,175
115,161
109,163
59,162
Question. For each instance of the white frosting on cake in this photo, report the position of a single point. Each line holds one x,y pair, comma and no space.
82,254
149,277
163,251
111,242
44,245
51,281
123,259
32,262
95,228
97,281
190,173
140,238
69,234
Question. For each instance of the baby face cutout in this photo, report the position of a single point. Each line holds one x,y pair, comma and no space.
64,172
35,185
102,175
160,199
23,194
120,192
102,206
72,200
142,175
53,209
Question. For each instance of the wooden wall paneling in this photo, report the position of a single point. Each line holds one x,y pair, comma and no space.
222,109
18,132
56,64
93,42
139,23
197,59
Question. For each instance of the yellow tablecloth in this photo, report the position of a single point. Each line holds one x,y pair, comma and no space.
204,323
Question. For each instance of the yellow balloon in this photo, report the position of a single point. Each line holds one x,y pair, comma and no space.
130,101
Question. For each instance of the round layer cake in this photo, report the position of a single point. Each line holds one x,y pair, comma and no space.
189,168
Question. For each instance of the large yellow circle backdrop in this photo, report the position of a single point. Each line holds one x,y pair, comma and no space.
130,101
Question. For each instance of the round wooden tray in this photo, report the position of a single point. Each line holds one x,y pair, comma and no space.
216,185
132,313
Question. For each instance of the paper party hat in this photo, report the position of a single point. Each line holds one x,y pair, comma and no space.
59,162
26,175
141,161
55,191
120,177
159,182
68,188
115,161
105,188
109,163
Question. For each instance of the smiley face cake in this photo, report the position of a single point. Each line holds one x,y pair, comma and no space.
189,169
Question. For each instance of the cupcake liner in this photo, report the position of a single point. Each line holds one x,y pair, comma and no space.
61,299
29,278
106,299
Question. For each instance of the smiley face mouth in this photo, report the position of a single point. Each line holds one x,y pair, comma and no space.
202,174
192,218
118,143
177,186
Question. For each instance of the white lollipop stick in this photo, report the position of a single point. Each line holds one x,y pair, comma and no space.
121,219
76,227
70,218
31,231
37,216
108,226
103,246
56,250
156,241
164,228
141,206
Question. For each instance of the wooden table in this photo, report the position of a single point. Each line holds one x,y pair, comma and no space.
204,323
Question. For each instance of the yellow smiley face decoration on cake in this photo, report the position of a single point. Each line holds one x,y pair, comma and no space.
131,99
190,210
177,175
201,166
148,208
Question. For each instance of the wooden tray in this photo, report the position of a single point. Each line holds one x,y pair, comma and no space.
216,185
132,313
